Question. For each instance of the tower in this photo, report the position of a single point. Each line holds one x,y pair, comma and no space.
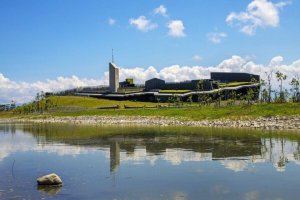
113,78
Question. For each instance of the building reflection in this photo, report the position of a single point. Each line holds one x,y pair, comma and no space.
235,155
114,156
177,150
233,151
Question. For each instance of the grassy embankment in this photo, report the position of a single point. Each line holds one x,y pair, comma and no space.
81,106
233,84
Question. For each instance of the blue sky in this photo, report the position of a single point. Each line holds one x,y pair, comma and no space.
41,40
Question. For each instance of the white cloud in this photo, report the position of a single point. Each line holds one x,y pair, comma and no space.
22,92
276,61
161,10
111,21
25,91
259,14
216,37
143,24
197,57
23,142
235,165
176,28
139,74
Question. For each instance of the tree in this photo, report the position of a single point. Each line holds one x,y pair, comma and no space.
177,100
250,96
12,105
48,104
281,77
190,100
158,101
295,89
262,91
264,95
200,87
231,98
269,86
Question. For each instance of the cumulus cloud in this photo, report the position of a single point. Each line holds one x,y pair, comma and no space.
22,92
176,28
26,142
235,165
259,14
25,91
142,24
216,37
111,21
276,61
161,10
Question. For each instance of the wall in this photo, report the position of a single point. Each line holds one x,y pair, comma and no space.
113,77
225,77
187,85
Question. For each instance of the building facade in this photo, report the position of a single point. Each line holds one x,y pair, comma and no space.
227,77
159,84
113,78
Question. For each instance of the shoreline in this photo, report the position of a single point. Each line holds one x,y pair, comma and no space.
266,123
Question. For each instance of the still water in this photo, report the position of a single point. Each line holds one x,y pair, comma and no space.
126,162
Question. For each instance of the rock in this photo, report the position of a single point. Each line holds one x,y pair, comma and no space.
50,179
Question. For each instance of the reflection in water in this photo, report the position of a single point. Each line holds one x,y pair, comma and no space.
50,190
234,152
114,156
178,163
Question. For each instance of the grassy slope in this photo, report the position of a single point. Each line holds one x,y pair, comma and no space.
174,91
89,106
88,102
198,113
233,84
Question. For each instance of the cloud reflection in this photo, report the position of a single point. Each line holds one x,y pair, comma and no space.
276,151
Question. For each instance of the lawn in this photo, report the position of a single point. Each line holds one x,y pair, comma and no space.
234,84
89,102
80,106
174,91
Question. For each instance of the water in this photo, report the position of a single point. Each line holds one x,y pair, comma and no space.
109,162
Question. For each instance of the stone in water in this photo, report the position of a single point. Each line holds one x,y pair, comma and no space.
50,179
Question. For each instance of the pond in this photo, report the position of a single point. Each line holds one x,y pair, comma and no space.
135,162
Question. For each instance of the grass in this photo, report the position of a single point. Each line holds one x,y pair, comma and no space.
129,90
233,84
80,106
89,102
174,91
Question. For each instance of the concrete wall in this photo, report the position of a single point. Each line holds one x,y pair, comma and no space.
156,83
225,77
113,78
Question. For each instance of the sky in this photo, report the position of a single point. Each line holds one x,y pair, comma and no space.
54,45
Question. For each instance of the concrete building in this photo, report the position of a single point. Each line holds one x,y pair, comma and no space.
158,84
113,78
227,77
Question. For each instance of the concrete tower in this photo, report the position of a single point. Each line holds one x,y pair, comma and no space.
113,78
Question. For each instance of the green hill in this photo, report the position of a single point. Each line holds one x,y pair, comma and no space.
80,106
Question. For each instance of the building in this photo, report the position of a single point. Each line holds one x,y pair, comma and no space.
227,77
156,88
113,78
159,84
127,83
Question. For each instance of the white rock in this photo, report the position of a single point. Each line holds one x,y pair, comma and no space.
50,179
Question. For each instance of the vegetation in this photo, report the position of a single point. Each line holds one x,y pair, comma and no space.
233,84
268,102
174,91
80,106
